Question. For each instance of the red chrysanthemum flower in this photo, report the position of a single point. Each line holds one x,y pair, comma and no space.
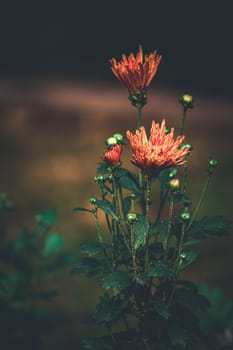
136,72
113,154
161,151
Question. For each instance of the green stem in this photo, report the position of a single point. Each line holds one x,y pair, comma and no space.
182,121
180,247
170,217
133,250
139,109
161,206
98,228
148,190
203,193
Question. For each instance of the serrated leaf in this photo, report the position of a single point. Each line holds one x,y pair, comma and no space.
189,258
109,309
160,270
88,266
48,217
53,244
107,207
117,281
216,226
82,209
92,248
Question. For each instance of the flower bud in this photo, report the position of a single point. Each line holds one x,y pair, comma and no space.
138,99
119,138
174,184
172,173
92,200
187,145
183,255
213,162
185,216
187,101
111,141
133,195
99,178
132,218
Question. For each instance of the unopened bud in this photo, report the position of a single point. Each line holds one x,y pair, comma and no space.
111,141
172,173
174,184
187,101
185,216
213,162
99,178
92,200
131,218
138,99
187,145
119,138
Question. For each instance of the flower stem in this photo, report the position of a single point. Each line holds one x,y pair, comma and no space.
139,109
148,191
203,193
182,121
133,250
170,217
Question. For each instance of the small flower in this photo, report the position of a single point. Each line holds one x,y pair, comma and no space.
174,184
161,151
136,72
187,101
113,154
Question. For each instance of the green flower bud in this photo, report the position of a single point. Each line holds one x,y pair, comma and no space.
183,255
187,101
133,195
92,200
167,131
187,145
111,141
99,178
138,99
185,216
213,162
172,173
110,178
119,138
131,218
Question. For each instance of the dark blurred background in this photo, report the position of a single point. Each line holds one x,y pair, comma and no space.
59,101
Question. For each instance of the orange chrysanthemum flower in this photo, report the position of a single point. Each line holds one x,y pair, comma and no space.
136,72
113,154
161,151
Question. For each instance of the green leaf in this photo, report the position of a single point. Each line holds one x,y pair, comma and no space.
193,242
88,266
117,281
24,241
53,244
126,205
216,226
189,258
109,309
48,217
82,209
178,335
92,248
128,180
160,270
161,310
95,344
45,295
140,229
191,299
107,207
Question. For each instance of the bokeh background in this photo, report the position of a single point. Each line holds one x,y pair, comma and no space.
59,101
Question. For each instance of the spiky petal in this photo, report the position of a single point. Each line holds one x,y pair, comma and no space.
159,152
